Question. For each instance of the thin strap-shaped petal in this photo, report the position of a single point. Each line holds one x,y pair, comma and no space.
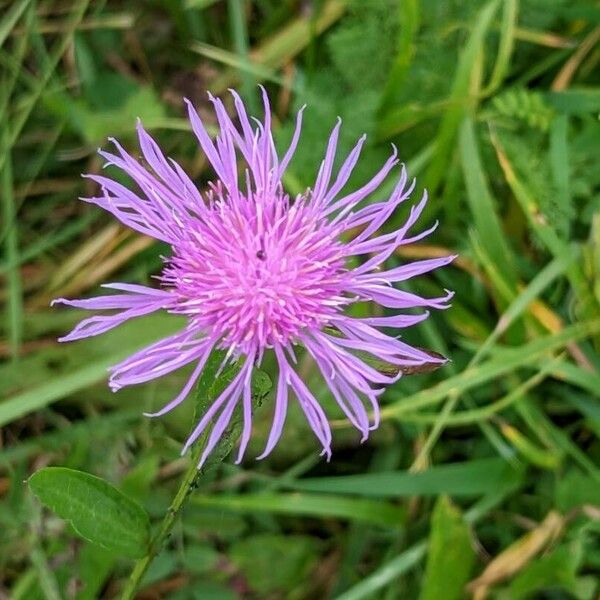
160,358
287,157
131,305
231,391
398,196
398,321
408,271
327,165
345,171
314,413
188,198
189,384
351,404
392,298
130,209
207,144
246,414
244,121
347,202
281,404
268,156
160,197
383,243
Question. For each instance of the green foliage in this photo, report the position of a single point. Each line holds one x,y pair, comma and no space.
523,105
95,123
363,46
493,105
274,562
473,478
450,556
575,490
96,510
555,571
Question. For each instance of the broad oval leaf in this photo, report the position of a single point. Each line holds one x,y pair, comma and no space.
96,510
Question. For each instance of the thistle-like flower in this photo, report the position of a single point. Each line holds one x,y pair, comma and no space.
254,270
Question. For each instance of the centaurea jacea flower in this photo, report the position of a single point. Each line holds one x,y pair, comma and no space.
254,270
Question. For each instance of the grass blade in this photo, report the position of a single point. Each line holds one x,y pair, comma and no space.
10,19
314,505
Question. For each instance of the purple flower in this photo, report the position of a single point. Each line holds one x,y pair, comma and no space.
253,270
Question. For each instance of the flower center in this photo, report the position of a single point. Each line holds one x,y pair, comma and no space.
255,272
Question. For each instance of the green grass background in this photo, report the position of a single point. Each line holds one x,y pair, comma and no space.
484,479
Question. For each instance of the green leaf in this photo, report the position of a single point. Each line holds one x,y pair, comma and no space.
460,479
93,568
482,205
10,18
76,370
314,505
96,510
576,100
463,96
450,557
199,559
576,489
294,556
94,124
503,362
555,570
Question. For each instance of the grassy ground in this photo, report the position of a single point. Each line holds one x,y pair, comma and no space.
484,479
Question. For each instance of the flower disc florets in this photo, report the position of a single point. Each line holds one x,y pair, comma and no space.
257,271
253,269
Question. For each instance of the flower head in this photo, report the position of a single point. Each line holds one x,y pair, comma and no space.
255,270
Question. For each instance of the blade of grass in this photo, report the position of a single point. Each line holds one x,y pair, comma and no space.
92,427
14,303
463,97
505,47
494,438
516,308
36,166
286,43
544,230
10,18
505,362
559,161
541,424
109,21
467,417
44,77
14,62
482,205
472,478
239,33
552,271
409,27
565,75
47,242
95,356
586,380
258,71
46,577
543,38
313,505
412,556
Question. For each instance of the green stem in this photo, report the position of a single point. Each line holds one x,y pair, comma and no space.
209,388
187,486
